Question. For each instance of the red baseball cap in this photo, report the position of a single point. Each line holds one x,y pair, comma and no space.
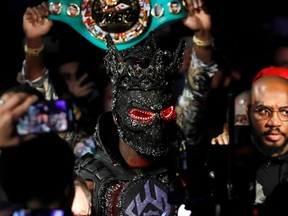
271,71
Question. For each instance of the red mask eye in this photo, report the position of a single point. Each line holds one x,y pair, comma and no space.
169,114
141,115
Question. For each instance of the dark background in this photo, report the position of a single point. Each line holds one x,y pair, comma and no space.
237,23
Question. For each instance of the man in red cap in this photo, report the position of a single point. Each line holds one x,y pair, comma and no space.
267,111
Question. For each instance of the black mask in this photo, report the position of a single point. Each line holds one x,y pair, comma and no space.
145,120
143,105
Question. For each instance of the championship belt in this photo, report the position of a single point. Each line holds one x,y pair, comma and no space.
127,21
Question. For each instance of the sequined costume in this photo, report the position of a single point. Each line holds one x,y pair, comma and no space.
192,100
143,116
120,190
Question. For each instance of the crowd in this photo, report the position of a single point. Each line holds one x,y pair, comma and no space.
142,142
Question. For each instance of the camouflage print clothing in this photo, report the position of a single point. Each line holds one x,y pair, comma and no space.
192,99
44,85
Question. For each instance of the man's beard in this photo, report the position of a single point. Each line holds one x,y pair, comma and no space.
265,149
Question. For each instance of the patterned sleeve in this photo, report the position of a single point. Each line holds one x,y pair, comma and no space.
42,83
191,102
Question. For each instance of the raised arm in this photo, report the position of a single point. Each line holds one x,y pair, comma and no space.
201,70
199,21
35,26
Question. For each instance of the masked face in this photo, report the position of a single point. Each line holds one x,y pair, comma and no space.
145,120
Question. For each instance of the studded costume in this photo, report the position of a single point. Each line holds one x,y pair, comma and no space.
119,189
144,117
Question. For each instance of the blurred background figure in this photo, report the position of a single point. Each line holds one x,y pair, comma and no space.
240,108
41,179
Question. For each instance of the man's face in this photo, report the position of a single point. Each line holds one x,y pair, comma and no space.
269,118
73,11
174,7
241,102
145,120
68,71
